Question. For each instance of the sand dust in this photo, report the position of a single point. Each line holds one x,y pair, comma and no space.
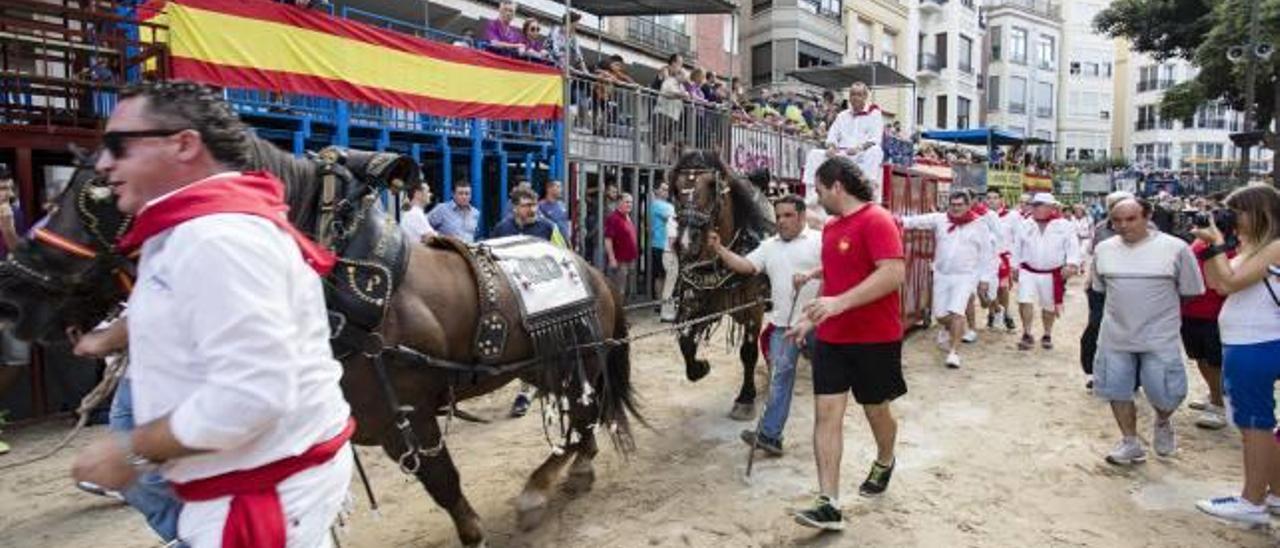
1005,452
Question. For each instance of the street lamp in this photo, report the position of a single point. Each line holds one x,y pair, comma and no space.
1251,54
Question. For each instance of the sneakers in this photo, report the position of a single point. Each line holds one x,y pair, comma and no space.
95,489
1088,383
970,337
878,479
991,320
770,446
1199,405
1236,509
1164,440
1128,451
953,360
1008,324
824,515
1273,504
1026,343
1213,417
1046,342
520,407
997,320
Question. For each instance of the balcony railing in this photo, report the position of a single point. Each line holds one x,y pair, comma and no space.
1044,8
1154,84
866,52
1017,108
819,8
659,37
929,62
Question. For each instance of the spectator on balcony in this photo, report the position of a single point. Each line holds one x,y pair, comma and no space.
855,133
564,44
413,220
456,217
672,95
693,85
467,40
501,36
534,44
674,66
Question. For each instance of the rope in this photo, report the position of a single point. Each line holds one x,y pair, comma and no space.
677,327
111,376
638,306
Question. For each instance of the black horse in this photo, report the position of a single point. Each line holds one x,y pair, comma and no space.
708,197
69,275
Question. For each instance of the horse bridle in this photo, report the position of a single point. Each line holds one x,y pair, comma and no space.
688,214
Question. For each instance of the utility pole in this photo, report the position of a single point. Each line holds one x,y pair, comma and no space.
1250,82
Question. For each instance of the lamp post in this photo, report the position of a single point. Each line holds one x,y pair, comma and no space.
1250,54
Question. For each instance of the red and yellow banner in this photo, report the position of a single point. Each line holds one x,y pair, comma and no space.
260,44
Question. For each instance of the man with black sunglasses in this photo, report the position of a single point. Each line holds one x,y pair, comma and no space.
236,394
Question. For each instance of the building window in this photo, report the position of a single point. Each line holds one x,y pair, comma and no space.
920,111
1146,118
1166,76
762,64
995,34
866,52
809,55
830,9
729,40
1018,45
962,113
993,93
966,54
1045,52
1146,78
942,111
888,46
1044,99
940,49
1017,95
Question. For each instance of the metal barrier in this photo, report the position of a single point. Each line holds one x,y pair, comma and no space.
762,147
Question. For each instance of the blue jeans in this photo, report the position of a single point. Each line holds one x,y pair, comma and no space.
150,494
782,355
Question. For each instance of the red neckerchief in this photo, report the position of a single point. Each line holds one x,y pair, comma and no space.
253,193
1003,211
980,208
1052,217
957,222
870,108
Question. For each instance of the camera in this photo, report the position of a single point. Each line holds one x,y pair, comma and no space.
1225,219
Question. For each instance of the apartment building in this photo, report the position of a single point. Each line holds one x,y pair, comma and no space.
947,64
882,31
1023,47
1086,81
779,36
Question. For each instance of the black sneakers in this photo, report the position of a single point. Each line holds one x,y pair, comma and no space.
823,515
770,446
877,480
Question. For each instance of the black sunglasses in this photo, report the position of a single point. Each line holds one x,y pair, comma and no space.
114,141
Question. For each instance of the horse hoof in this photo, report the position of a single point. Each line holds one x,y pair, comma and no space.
697,369
531,508
580,482
743,412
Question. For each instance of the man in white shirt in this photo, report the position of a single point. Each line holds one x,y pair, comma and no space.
856,133
413,220
795,249
236,392
1046,252
964,242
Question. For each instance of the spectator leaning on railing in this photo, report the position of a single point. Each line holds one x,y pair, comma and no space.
499,33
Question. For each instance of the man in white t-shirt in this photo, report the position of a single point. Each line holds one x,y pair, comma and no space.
796,249
1046,253
856,133
413,220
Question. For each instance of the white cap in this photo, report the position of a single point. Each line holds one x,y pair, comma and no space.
1043,198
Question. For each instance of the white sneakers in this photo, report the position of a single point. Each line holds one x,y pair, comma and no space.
1164,440
1127,451
1238,510
953,360
1212,417
970,336
998,320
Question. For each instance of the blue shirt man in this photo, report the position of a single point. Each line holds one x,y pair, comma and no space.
660,211
456,218
525,219
552,208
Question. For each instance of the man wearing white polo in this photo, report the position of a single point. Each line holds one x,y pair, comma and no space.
855,133
1046,252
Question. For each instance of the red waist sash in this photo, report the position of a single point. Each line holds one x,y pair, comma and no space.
1059,282
256,518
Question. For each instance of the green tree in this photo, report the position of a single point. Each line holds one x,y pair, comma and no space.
1202,31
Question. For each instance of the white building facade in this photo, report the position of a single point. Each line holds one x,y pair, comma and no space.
1086,81
948,64
1024,39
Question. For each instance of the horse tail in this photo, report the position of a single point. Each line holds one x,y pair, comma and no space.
618,401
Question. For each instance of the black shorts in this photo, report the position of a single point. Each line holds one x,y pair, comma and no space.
872,371
655,262
1202,340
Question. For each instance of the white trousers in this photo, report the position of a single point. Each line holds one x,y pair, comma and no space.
311,500
951,293
1037,289
870,161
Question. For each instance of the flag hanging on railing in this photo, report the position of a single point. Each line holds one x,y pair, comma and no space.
270,46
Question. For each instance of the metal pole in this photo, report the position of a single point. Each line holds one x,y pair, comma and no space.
426,19
1250,80
566,93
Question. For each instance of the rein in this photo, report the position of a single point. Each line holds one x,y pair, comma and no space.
80,251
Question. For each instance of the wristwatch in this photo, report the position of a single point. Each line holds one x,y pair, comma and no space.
139,463
1213,251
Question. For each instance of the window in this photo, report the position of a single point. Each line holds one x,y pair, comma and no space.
829,9
1017,95
1018,45
809,55
888,42
940,49
942,111
966,54
1212,116
1146,78
866,52
993,93
920,110
962,113
1044,99
1146,118
1166,76
995,34
1045,52
762,64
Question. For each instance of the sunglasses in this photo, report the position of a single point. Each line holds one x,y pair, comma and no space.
115,141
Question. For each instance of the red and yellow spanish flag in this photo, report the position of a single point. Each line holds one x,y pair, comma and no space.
260,44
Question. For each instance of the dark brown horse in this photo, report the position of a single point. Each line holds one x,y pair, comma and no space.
46,288
708,197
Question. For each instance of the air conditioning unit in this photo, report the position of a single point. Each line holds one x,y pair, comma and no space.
1105,115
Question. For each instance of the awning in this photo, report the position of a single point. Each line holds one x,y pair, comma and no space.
982,136
875,75
605,8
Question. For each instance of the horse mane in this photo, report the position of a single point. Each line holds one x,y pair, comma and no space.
299,175
751,210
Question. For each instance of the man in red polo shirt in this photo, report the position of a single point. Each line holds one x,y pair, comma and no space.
859,338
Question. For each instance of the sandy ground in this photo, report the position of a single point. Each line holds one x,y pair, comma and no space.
1006,452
